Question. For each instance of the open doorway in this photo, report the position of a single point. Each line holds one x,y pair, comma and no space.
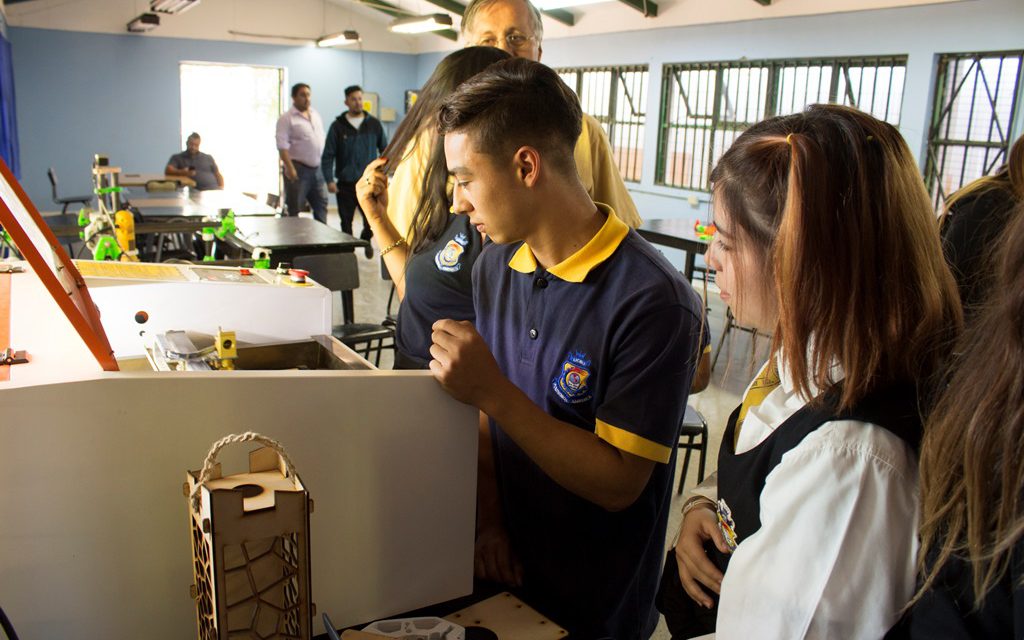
234,108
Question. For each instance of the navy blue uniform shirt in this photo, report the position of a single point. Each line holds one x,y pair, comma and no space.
607,341
437,285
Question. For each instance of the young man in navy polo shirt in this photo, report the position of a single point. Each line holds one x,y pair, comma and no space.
587,344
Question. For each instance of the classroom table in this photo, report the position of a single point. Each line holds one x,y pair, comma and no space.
195,204
141,179
291,237
676,233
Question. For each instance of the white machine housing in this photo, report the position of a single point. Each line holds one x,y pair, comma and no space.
94,528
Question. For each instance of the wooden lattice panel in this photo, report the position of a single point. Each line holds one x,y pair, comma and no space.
250,549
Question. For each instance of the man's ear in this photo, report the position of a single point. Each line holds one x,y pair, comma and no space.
527,165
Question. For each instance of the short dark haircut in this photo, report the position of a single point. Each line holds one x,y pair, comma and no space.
350,90
513,103
299,87
193,135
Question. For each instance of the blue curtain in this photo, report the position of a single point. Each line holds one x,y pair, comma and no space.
8,116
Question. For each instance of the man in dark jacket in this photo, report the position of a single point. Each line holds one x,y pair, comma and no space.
354,140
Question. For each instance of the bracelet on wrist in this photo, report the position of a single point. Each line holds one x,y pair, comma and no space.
394,245
698,501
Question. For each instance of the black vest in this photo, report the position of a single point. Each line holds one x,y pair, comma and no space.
741,477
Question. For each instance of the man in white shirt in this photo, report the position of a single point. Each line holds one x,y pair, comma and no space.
300,143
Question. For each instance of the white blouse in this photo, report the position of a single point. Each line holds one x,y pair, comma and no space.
835,554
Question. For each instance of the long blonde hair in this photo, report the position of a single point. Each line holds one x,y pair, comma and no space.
972,456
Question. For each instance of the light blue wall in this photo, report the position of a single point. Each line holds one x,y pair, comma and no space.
83,93
920,32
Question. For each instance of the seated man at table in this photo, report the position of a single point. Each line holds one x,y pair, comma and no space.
585,345
195,164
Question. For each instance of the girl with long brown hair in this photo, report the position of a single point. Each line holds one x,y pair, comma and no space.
972,472
826,239
430,266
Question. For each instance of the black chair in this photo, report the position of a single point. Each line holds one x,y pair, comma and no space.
730,326
340,272
85,200
693,436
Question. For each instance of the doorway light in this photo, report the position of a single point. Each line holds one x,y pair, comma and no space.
421,24
143,23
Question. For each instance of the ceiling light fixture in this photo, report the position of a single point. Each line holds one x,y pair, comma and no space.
421,24
172,6
145,22
338,39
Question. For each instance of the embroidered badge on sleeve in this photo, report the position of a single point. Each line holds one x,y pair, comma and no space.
726,524
571,381
447,259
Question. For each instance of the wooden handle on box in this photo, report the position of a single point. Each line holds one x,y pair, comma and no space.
211,459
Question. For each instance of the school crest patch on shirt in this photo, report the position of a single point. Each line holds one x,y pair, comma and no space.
571,382
447,259
726,524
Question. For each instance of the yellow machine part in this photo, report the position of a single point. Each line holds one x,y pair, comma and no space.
124,232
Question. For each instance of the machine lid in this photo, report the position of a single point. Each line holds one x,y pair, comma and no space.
37,244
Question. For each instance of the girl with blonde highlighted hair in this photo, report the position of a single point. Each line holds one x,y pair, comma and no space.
826,239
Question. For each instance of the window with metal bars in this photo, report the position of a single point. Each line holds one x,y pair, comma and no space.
706,106
977,97
617,98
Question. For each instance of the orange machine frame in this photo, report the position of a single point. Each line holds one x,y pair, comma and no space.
76,304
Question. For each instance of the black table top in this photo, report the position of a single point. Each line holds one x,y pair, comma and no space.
676,233
289,233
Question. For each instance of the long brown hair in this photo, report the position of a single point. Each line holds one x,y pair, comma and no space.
833,204
972,456
1010,177
431,215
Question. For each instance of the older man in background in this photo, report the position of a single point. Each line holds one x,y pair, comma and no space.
516,27
300,143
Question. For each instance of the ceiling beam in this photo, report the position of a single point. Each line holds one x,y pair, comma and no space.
397,12
450,5
646,7
560,15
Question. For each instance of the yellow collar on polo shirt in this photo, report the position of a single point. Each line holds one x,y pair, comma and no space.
576,267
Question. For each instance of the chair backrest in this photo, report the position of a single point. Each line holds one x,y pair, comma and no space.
336,271
52,175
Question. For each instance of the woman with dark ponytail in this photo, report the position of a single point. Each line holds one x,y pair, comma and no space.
429,251
826,240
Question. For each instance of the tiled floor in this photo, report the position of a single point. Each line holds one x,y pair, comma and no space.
736,366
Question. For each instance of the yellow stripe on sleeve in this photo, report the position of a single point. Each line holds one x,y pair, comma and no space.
632,443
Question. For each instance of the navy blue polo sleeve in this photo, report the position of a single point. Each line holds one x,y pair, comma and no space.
655,358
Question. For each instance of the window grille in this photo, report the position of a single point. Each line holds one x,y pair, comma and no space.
617,98
977,97
706,106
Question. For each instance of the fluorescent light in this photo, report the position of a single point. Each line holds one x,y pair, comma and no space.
421,24
145,22
172,6
338,39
